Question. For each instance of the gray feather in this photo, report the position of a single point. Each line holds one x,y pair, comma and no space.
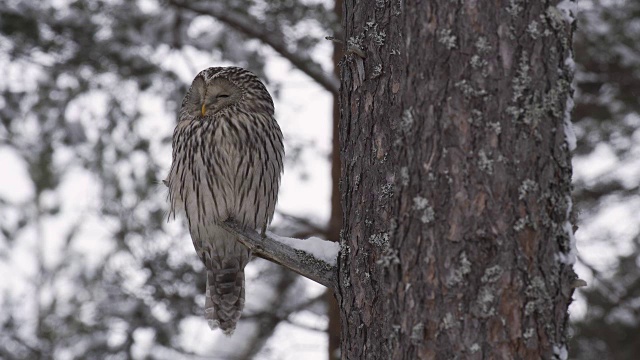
226,165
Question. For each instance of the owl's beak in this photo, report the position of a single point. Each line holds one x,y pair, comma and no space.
204,109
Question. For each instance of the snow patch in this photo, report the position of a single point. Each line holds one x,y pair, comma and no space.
560,352
569,134
568,8
571,64
569,258
320,249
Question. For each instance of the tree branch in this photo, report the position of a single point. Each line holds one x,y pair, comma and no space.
253,28
299,227
299,261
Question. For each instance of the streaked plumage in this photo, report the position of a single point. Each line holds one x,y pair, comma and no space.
227,162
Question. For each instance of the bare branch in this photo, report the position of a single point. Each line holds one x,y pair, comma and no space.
285,312
253,28
297,260
300,227
304,326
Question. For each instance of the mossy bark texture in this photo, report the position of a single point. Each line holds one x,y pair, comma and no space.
456,180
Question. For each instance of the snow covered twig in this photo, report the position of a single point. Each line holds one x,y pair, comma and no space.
308,258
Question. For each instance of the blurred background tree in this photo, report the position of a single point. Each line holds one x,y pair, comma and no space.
89,89
607,180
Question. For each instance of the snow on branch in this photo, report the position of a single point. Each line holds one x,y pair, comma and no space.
313,258
253,28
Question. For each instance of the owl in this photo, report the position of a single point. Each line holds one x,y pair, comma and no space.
227,163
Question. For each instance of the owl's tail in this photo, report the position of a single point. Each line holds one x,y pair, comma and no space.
225,292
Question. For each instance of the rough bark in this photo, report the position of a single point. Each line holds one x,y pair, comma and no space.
456,180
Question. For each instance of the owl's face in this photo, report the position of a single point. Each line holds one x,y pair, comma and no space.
230,89
207,98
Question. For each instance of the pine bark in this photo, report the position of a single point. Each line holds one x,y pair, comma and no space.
456,180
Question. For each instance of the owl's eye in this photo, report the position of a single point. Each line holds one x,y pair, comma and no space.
222,96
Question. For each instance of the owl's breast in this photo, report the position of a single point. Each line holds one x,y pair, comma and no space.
231,169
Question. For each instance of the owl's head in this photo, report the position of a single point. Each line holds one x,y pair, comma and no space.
226,88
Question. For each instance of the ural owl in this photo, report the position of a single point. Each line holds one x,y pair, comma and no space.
227,162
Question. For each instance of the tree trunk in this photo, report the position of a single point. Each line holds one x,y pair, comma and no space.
456,180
